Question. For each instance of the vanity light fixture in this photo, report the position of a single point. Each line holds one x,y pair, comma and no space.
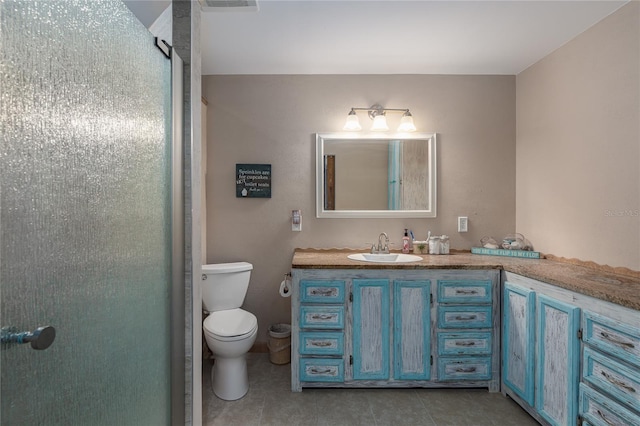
378,114
352,124
379,123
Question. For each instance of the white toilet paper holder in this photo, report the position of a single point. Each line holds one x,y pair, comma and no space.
285,285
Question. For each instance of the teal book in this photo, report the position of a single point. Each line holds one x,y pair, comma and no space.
503,252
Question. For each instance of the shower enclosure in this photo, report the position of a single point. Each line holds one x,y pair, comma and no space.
91,219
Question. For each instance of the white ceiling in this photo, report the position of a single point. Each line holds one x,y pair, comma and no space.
392,36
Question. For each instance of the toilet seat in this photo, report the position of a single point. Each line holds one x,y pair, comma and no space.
230,324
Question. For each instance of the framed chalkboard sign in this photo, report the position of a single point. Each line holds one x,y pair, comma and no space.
253,180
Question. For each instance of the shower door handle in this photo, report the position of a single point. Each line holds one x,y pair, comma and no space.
40,338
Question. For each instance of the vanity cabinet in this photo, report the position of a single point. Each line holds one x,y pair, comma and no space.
610,388
371,329
321,331
465,319
395,328
541,352
518,345
557,360
568,358
412,330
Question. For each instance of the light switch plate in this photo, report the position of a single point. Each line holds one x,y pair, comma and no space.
296,220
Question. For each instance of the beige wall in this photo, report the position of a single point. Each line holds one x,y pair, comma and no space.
578,145
272,119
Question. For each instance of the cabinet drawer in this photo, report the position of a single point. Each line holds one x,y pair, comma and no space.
317,291
470,368
612,337
464,291
464,316
324,317
321,370
464,343
599,410
321,343
612,377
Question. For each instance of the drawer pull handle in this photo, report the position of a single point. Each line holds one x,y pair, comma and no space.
603,417
465,317
466,370
327,292
466,292
323,317
617,382
314,370
467,344
320,344
616,341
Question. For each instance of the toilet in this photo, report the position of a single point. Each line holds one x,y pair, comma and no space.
229,331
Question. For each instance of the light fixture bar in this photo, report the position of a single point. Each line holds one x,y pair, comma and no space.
377,113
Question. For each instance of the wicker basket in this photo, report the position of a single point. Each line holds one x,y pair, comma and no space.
279,344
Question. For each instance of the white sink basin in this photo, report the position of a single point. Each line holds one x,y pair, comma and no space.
385,258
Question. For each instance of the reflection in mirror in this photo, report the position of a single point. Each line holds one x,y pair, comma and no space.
375,175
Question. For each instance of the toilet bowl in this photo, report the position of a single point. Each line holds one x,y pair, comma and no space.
229,335
228,330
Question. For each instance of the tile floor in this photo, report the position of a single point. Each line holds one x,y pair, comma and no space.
271,402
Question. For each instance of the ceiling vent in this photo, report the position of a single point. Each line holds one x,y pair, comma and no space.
229,5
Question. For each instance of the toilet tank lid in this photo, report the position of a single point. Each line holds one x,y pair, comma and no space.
225,268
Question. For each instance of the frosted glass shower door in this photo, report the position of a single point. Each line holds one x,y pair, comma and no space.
85,225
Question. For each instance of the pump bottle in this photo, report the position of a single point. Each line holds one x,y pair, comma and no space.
405,241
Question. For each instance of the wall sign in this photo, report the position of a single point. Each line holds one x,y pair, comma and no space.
253,180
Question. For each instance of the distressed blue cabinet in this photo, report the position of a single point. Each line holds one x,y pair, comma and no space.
465,291
541,350
371,329
599,410
613,337
610,391
557,361
321,370
319,332
411,330
518,345
395,328
321,343
322,291
466,324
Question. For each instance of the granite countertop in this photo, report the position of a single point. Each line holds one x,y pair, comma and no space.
590,280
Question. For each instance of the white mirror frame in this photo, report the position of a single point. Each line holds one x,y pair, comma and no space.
429,138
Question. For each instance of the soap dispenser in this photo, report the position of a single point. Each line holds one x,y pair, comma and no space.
405,241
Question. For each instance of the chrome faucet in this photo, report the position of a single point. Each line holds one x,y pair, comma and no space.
380,248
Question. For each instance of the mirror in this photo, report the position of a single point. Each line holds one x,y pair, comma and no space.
375,175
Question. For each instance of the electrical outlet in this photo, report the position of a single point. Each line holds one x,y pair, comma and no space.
463,224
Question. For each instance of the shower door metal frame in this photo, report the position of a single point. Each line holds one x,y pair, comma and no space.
178,321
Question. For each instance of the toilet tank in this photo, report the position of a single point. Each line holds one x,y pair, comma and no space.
224,285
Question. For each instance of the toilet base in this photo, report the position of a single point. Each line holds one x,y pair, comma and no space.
229,378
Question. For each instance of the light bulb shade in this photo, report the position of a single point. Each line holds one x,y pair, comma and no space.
352,123
379,124
406,124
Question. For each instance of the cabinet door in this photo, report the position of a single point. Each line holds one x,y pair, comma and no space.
370,329
518,347
558,361
411,330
